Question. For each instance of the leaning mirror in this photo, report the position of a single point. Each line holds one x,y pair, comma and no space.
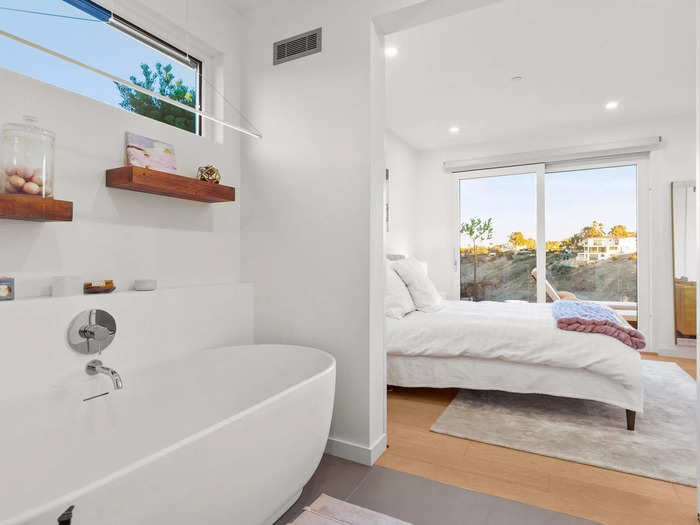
684,261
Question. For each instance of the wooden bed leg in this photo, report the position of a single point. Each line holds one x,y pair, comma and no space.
631,417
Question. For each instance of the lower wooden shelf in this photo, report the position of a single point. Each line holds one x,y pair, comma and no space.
29,208
160,183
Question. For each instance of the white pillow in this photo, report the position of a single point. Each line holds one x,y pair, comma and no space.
423,292
397,300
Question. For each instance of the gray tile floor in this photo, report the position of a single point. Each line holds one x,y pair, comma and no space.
417,500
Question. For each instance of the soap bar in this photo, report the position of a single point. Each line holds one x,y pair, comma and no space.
145,285
7,289
99,286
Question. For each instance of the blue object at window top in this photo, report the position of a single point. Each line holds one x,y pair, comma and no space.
92,9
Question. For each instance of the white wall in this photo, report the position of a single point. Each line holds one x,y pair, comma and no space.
117,234
123,235
312,223
675,161
306,227
152,327
402,163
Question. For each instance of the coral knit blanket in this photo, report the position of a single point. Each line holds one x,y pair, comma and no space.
581,316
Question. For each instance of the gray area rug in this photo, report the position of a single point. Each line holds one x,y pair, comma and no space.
661,447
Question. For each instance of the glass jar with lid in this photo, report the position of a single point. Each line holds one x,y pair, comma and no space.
26,159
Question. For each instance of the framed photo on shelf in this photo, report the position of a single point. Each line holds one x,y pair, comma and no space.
153,154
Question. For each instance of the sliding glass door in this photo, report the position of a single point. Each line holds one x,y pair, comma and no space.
498,235
591,225
532,233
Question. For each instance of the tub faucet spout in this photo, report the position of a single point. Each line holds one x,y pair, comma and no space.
96,367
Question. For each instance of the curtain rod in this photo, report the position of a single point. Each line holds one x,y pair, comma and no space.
610,149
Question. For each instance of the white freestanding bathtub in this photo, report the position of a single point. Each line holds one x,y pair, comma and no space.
223,436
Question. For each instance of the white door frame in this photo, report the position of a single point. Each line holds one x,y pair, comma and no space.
697,222
644,214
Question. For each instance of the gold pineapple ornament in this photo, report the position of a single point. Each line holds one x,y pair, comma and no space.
209,174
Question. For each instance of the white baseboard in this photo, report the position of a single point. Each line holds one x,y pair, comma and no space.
355,452
378,448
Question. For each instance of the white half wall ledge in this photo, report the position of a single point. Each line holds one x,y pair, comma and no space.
356,452
590,151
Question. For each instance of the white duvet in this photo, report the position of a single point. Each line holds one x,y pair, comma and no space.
517,332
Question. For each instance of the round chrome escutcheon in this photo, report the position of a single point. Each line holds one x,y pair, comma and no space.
92,331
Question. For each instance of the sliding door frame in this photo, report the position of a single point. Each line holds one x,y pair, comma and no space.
644,214
644,225
539,171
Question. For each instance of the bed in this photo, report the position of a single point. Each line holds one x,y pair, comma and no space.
514,347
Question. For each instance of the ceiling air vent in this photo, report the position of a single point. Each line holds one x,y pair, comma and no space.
297,46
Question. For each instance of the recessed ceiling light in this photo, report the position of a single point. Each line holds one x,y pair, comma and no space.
390,52
613,104
454,130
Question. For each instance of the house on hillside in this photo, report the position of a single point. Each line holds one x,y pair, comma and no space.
509,247
600,248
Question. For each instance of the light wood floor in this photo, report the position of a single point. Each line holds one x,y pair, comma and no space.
601,495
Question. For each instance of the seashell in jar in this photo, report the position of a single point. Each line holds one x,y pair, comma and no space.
25,172
16,181
31,188
37,179
9,188
19,170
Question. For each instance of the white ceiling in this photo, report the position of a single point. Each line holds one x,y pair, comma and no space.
574,56
243,5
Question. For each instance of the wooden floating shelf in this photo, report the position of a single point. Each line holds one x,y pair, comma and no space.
160,183
29,208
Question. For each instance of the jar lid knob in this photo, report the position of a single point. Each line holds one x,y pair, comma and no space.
30,119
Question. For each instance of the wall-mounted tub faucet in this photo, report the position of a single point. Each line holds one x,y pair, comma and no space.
96,367
90,333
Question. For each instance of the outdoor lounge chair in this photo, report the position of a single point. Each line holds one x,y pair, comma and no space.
626,310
